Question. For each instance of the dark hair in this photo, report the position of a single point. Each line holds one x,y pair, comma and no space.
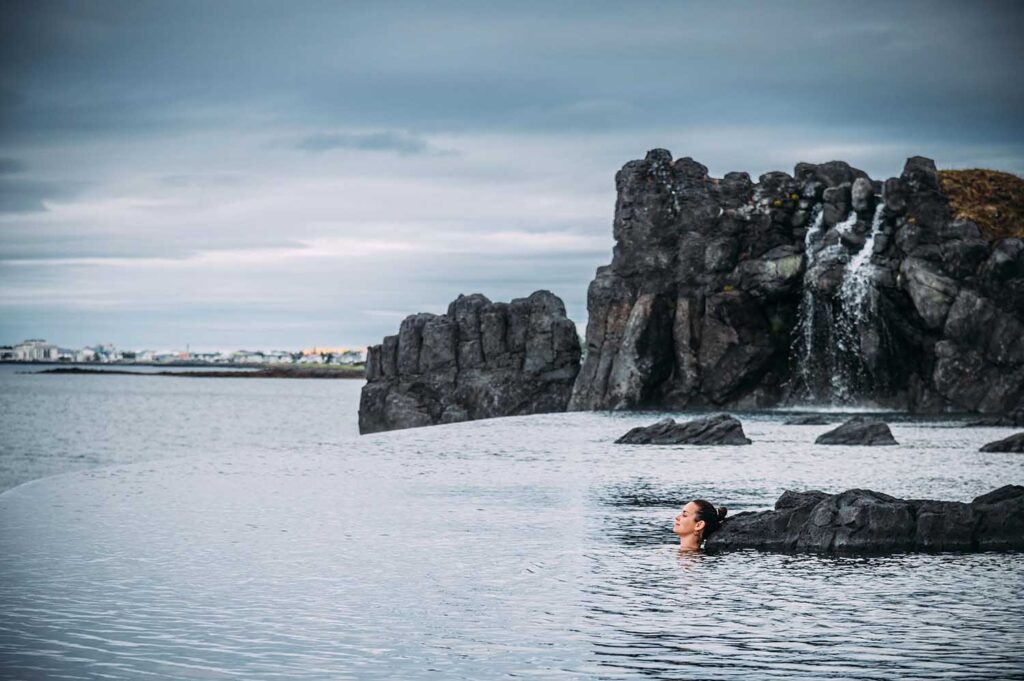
711,516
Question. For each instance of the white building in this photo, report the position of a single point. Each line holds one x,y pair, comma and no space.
350,357
85,355
36,350
249,357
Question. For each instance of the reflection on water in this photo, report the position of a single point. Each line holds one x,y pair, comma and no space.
524,547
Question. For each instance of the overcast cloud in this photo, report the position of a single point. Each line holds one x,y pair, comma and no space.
256,174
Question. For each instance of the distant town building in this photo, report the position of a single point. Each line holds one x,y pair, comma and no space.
336,355
85,355
39,350
36,350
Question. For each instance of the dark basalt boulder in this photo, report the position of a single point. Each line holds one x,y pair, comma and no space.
720,429
865,522
806,420
480,360
858,431
712,281
1014,443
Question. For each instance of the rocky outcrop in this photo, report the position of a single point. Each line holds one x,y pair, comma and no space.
862,521
1014,443
720,429
479,360
858,431
820,286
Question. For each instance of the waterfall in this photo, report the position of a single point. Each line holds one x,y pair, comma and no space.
857,278
827,346
857,309
806,313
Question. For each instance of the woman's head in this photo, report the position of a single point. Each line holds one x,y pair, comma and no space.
698,520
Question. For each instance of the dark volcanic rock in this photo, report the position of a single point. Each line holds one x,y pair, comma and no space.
858,431
720,429
705,300
480,360
807,420
862,521
1014,443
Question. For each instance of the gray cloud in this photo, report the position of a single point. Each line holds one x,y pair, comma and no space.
401,142
96,69
12,166
24,195
165,135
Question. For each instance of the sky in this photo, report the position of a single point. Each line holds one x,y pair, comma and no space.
268,175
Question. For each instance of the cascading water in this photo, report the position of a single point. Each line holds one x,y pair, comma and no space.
858,306
835,323
857,290
805,337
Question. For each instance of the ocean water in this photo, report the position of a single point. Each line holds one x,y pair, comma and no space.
52,424
254,535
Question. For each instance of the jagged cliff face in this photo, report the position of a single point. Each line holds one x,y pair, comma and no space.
479,360
823,286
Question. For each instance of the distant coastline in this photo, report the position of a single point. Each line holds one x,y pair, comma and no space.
353,372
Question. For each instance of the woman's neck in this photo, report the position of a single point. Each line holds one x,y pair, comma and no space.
690,542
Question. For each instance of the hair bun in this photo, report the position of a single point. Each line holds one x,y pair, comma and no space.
722,512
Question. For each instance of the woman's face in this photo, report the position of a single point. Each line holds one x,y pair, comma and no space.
686,521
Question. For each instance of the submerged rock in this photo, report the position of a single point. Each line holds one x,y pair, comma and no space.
1014,443
480,360
863,521
858,431
720,429
806,420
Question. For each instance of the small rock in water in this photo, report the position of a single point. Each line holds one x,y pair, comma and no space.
720,429
858,431
806,420
1014,443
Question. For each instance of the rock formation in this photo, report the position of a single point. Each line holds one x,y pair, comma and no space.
720,429
858,431
821,286
862,521
479,360
1014,443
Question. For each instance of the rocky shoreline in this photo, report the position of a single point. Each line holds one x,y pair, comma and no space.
823,286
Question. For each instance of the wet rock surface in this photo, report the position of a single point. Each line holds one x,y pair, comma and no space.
479,360
720,429
823,285
858,431
1014,443
863,521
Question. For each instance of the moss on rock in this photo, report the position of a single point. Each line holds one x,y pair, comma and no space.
992,199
